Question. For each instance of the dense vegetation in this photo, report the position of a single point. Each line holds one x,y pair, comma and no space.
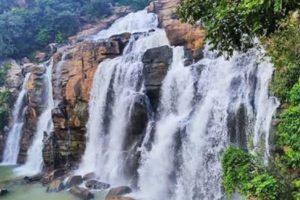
5,97
27,28
244,172
234,26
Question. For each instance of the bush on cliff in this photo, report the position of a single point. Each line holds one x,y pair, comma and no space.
244,173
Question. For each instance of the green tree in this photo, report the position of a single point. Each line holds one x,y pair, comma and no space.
234,24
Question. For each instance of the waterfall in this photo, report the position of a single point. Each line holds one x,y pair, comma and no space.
34,162
204,107
192,129
134,22
116,84
12,147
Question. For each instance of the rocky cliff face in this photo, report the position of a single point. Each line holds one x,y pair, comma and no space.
13,83
74,68
72,80
179,34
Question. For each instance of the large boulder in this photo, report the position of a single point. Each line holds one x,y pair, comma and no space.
32,179
118,198
96,185
81,193
56,186
74,181
118,191
178,33
89,176
156,64
3,191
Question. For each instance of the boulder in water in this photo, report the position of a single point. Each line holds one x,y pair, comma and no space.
35,178
156,61
118,198
73,181
119,191
96,185
56,186
81,193
89,176
3,191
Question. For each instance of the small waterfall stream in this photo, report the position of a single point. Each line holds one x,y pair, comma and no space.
12,147
34,162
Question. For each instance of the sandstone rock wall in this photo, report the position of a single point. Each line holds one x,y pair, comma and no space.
67,143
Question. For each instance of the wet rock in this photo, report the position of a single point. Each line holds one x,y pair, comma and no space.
118,191
56,186
81,193
89,176
35,178
198,54
74,181
3,191
156,62
136,129
53,175
96,185
118,198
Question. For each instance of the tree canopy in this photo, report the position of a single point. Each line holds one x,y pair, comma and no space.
234,24
25,29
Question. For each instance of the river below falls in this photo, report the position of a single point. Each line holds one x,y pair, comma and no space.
19,191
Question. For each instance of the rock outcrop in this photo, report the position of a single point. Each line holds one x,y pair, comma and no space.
81,193
156,63
67,143
36,103
179,34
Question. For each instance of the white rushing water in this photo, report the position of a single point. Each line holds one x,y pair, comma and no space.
192,130
134,22
116,84
34,162
202,107
12,147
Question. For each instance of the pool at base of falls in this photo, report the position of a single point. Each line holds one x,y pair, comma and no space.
19,191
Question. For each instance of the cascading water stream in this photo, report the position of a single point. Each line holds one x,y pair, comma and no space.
198,105
116,84
12,147
192,133
34,162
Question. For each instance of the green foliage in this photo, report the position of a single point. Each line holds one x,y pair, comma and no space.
284,49
242,172
95,6
294,94
288,134
296,192
3,72
28,29
5,105
233,25
138,4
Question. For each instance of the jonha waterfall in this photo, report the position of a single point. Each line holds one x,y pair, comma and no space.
158,120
